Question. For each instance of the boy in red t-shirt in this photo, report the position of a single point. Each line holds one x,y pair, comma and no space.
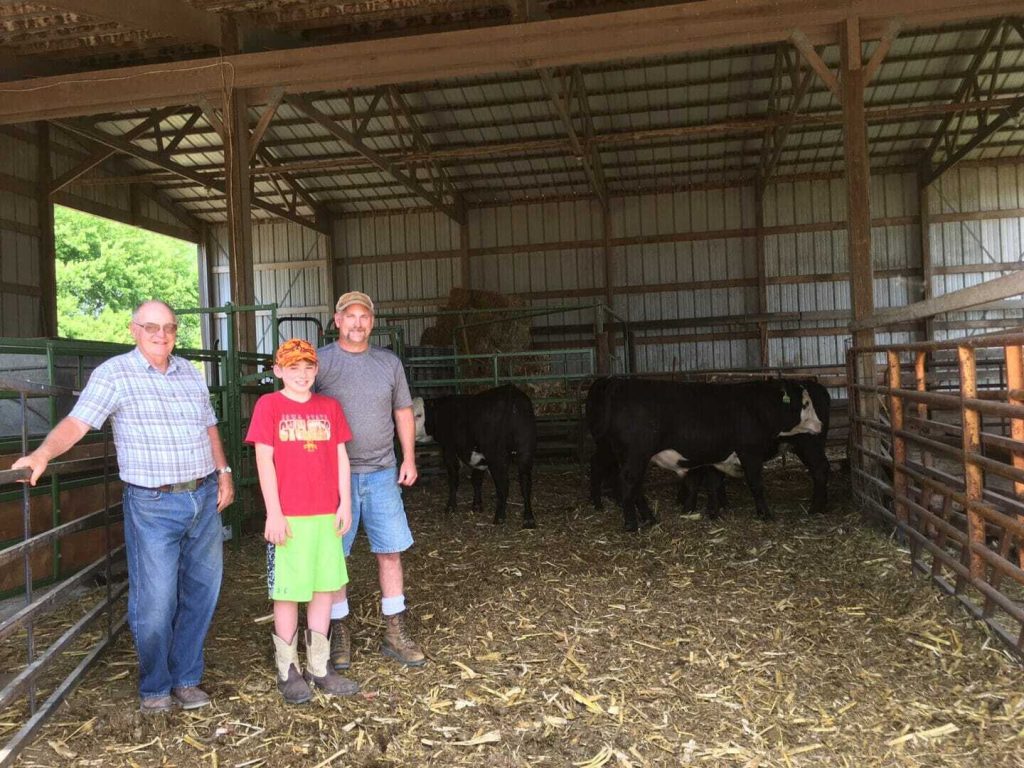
304,476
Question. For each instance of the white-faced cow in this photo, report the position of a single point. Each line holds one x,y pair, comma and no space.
486,432
679,426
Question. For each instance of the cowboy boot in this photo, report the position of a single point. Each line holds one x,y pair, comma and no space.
319,671
341,645
397,644
289,680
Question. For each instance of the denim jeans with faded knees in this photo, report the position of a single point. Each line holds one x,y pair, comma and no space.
174,544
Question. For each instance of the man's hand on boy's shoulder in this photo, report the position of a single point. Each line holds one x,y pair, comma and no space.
277,531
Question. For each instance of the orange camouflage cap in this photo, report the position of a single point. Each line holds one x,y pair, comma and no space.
294,351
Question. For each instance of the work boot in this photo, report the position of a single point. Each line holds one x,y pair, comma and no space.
289,680
341,645
397,644
319,671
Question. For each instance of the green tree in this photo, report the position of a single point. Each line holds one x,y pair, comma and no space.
104,269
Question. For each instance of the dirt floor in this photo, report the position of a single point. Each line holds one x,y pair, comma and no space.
798,642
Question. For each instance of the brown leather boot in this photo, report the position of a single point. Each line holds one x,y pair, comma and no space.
289,680
397,644
341,645
319,671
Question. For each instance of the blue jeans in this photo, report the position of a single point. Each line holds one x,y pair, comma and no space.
377,504
175,561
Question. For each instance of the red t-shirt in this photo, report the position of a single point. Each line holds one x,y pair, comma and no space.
305,438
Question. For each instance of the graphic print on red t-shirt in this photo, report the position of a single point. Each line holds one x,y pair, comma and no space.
305,439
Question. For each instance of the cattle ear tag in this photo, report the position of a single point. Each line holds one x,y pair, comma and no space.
785,397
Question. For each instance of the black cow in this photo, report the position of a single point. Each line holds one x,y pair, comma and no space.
483,431
810,448
709,480
680,426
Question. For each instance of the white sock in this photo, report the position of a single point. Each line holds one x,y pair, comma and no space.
339,610
389,606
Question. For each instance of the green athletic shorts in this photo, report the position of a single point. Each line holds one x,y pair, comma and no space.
310,561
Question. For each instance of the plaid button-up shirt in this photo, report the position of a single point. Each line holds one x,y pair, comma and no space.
160,420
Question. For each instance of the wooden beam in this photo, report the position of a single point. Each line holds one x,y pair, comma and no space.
47,248
164,18
927,271
419,142
979,137
858,175
559,98
1004,287
892,31
799,39
205,180
642,33
264,122
332,126
240,259
964,89
99,157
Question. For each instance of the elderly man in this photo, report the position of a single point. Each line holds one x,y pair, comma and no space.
176,481
371,386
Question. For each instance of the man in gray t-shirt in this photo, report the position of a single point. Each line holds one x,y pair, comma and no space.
370,384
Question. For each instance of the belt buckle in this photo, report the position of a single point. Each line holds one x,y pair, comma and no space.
188,485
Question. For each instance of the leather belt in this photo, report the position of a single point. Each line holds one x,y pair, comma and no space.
185,487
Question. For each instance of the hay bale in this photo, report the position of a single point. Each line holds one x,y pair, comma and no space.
487,331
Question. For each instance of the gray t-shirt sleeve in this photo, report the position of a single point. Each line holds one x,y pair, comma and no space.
400,391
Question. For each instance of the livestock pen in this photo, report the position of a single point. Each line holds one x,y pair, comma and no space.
708,189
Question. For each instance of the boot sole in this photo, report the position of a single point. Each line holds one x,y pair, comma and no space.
394,655
346,665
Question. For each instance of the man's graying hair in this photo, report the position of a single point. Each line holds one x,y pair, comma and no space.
147,302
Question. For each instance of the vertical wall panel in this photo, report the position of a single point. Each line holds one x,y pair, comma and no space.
20,242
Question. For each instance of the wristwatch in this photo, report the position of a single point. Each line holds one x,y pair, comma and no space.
224,471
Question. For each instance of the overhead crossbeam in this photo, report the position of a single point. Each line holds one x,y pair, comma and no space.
206,180
357,145
968,85
813,58
417,140
669,29
979,138
559,97
164,18
98,158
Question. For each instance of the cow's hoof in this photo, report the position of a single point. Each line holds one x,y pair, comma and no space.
529,523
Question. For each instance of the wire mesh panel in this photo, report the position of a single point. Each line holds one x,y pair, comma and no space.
937,449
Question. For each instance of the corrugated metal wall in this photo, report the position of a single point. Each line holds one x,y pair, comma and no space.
977,234
20,311
290,268
685,263
405,262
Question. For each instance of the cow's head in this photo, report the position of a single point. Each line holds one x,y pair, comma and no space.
419,415
808,423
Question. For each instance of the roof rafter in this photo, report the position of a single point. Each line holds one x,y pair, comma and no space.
647,32
305,106
419,142
99,157
126,147
560,96
170,18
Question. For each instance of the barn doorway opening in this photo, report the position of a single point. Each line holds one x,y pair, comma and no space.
104,268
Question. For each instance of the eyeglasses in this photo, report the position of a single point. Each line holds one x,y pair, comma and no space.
154,328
